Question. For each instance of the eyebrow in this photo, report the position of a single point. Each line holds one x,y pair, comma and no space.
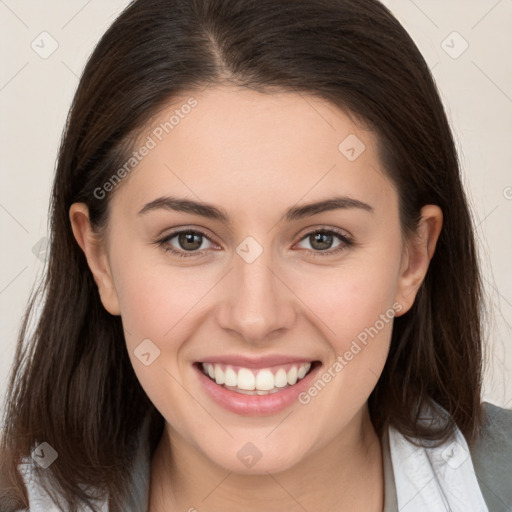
215,213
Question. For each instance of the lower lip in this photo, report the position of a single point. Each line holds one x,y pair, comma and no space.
255,405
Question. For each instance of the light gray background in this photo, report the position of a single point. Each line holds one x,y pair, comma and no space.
35,94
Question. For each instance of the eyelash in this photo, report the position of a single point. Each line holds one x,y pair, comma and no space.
346,242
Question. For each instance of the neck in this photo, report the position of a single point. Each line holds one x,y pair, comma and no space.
346,474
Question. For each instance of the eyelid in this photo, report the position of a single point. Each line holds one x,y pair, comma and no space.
162,238
343,233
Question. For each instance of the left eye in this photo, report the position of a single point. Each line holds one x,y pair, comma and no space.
322,240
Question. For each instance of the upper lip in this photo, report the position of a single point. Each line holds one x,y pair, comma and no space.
256,362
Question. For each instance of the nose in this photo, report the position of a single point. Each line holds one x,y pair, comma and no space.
258,304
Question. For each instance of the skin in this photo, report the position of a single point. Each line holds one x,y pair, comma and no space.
255,155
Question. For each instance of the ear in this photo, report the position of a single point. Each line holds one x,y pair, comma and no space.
418,251
95,252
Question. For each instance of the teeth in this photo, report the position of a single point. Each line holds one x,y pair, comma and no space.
302,372
280,378
230,377
260,382
264,380
292,376
219,375
245,379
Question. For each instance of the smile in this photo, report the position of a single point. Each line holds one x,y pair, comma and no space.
251,387
261,381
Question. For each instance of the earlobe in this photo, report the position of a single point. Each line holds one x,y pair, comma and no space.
418,252
95,252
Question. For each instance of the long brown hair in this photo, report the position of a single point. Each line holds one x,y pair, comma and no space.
72,383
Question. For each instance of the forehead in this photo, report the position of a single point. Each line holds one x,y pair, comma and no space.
251,151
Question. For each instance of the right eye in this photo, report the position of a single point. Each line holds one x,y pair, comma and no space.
189,243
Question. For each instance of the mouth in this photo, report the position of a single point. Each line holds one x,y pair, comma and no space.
257,381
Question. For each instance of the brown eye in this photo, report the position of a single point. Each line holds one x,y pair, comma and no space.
189,241
323,242
185,243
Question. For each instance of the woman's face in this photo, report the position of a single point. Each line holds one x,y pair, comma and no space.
272,284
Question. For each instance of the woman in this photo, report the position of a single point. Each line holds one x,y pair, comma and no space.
262,289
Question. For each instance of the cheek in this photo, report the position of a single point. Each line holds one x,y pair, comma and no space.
351,297
159,304
358,318
153,295
356,305
163,304
156,302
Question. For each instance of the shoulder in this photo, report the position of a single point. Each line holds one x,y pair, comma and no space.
38,499
41,494
491,454
12,495
36,486
10,504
